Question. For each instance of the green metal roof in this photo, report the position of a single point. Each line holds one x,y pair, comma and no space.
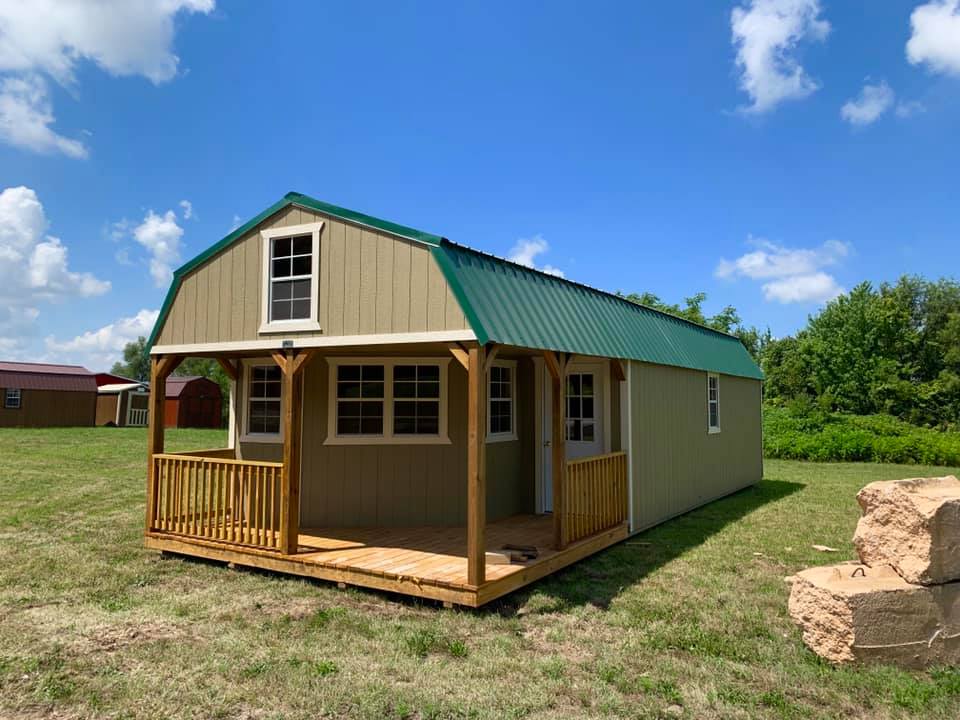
515,305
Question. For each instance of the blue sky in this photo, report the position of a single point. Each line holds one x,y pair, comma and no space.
768,152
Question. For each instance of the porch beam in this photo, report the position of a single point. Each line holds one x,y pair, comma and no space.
160,368
476,468
557,364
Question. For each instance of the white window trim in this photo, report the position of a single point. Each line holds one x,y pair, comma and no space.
512,435
244,395
388,438
713,429
267,236
6,398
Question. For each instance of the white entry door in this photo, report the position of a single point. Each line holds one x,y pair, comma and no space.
587,418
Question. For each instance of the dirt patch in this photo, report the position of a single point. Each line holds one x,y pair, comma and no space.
110,638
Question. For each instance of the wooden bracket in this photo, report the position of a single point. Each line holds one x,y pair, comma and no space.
492,351
167,364
556,363
229,368
617,371
292,362
460,354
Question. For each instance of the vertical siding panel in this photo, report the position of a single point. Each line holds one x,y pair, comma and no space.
251,285
337,239
214,289
436,297
402,295
384,292
453,317
369,282
238,300
351,281
323,292
191,309
419,270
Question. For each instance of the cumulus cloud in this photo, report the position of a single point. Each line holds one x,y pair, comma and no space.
766,35
52,37
102,347
909,108
160,235
187,208
791,274
526,251
935,36
867,107
34,266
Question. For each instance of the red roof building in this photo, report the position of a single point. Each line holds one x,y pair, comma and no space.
46,395
193,402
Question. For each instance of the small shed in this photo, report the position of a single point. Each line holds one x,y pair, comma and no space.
193,402
45,395
123,404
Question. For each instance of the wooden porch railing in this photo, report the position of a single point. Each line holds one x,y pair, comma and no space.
216,498
595,495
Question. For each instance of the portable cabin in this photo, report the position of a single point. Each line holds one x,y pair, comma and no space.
123,404
413,415
45,395
193,402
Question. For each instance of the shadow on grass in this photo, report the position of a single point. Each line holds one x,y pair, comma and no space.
598,579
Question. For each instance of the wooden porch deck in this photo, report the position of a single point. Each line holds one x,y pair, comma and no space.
428,562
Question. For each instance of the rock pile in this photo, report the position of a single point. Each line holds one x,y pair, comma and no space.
901,603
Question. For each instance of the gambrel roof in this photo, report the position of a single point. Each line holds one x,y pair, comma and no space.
515,305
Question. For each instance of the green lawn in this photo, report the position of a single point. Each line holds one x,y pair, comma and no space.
686,619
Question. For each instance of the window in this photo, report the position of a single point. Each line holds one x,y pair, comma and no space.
416,399
263,401
387,400
291,257
713,403
500,402
581,421
360,400
11,399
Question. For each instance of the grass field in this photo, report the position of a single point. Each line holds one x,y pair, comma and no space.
686,620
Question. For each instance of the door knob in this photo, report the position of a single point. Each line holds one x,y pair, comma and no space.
546,443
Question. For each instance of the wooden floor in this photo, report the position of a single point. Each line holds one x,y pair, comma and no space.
423,561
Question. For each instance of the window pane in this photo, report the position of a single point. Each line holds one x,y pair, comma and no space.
371,426
404,425
348,426
573,407
586,407
301,265
405,408
428,372
428,409
586,384
281,247
348,409
300,309
405,372
371,389
371,409
348,372
573,385
281,310
587,429
405,389
281,268
373,372
429,390
573,430
302,245
301,289
348,389
428,426
281,290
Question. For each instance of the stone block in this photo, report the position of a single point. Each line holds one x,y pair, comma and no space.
851,612
913,526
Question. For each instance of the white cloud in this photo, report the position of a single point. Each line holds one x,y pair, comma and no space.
160,235
766,34
26,116
935,37
187,209
33,265
872,102
792,274
816,287
102,347
52,37
909,108
237,222
526,250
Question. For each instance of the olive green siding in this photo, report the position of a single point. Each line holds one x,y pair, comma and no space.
50,408
676,464
404,485
370,282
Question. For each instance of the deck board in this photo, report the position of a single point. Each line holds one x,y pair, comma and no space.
424,561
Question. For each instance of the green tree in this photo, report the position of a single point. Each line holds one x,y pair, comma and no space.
136,363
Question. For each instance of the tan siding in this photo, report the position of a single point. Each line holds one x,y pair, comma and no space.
677,465
107,409
51,408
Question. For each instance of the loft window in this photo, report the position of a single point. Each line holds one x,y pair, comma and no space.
291,260
11,399
360,396
291,277
263,404
713,403
501,418
416,399
387,400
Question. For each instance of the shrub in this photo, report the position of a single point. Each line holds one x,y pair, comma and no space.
802,431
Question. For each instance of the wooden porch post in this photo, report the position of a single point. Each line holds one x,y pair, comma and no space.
557,365
291,400
160,368
476,468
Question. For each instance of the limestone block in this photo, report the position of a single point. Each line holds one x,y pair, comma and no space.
851,612
912,525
